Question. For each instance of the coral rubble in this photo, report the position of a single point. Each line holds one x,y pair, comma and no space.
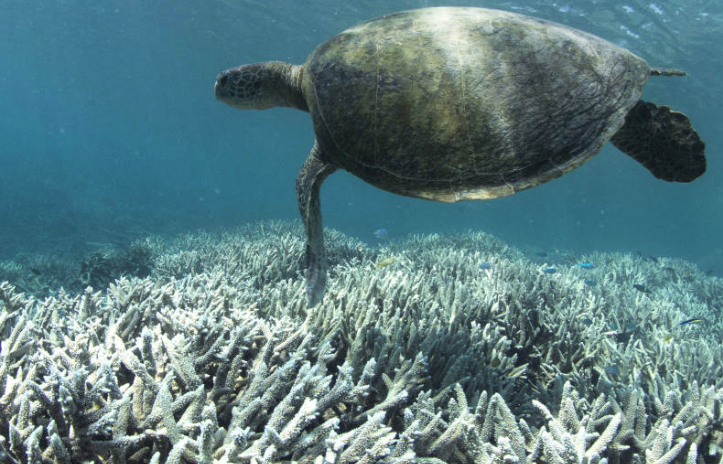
214,358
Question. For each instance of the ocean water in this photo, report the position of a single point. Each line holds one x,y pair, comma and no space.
156,309
110,130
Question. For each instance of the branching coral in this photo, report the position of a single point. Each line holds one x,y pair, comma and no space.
215,359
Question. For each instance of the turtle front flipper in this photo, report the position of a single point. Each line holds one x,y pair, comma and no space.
308,183
663,141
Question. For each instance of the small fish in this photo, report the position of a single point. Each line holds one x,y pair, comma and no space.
692,320
641,288
590,282
623,337
485,266
35,271
644,256
667,337
549,270
541,254
386,262
612,370
586,265
587,321
381,234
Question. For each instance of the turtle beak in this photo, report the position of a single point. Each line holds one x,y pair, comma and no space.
220,88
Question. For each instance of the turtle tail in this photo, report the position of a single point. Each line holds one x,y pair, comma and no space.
663,141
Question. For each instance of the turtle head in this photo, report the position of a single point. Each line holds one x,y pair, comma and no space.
259,86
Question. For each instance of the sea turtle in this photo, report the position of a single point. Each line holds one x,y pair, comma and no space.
453,104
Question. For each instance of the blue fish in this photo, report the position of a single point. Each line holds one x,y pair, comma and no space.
586,265
485,266
693,320
590,282
381,234
612,370
549,270
641,288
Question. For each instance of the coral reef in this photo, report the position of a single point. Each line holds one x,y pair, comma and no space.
214,358
41,275
98,269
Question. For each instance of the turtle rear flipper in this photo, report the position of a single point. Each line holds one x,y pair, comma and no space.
663,141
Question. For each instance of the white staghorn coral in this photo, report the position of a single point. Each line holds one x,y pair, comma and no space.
214,358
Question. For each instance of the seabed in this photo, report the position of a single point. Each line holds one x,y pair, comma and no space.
212,357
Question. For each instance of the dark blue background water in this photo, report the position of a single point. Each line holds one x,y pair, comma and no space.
109,130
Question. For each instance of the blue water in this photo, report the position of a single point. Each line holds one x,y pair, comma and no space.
110,131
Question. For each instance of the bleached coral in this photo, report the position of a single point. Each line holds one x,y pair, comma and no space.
215,359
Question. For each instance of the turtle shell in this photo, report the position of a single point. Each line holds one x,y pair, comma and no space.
454,104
